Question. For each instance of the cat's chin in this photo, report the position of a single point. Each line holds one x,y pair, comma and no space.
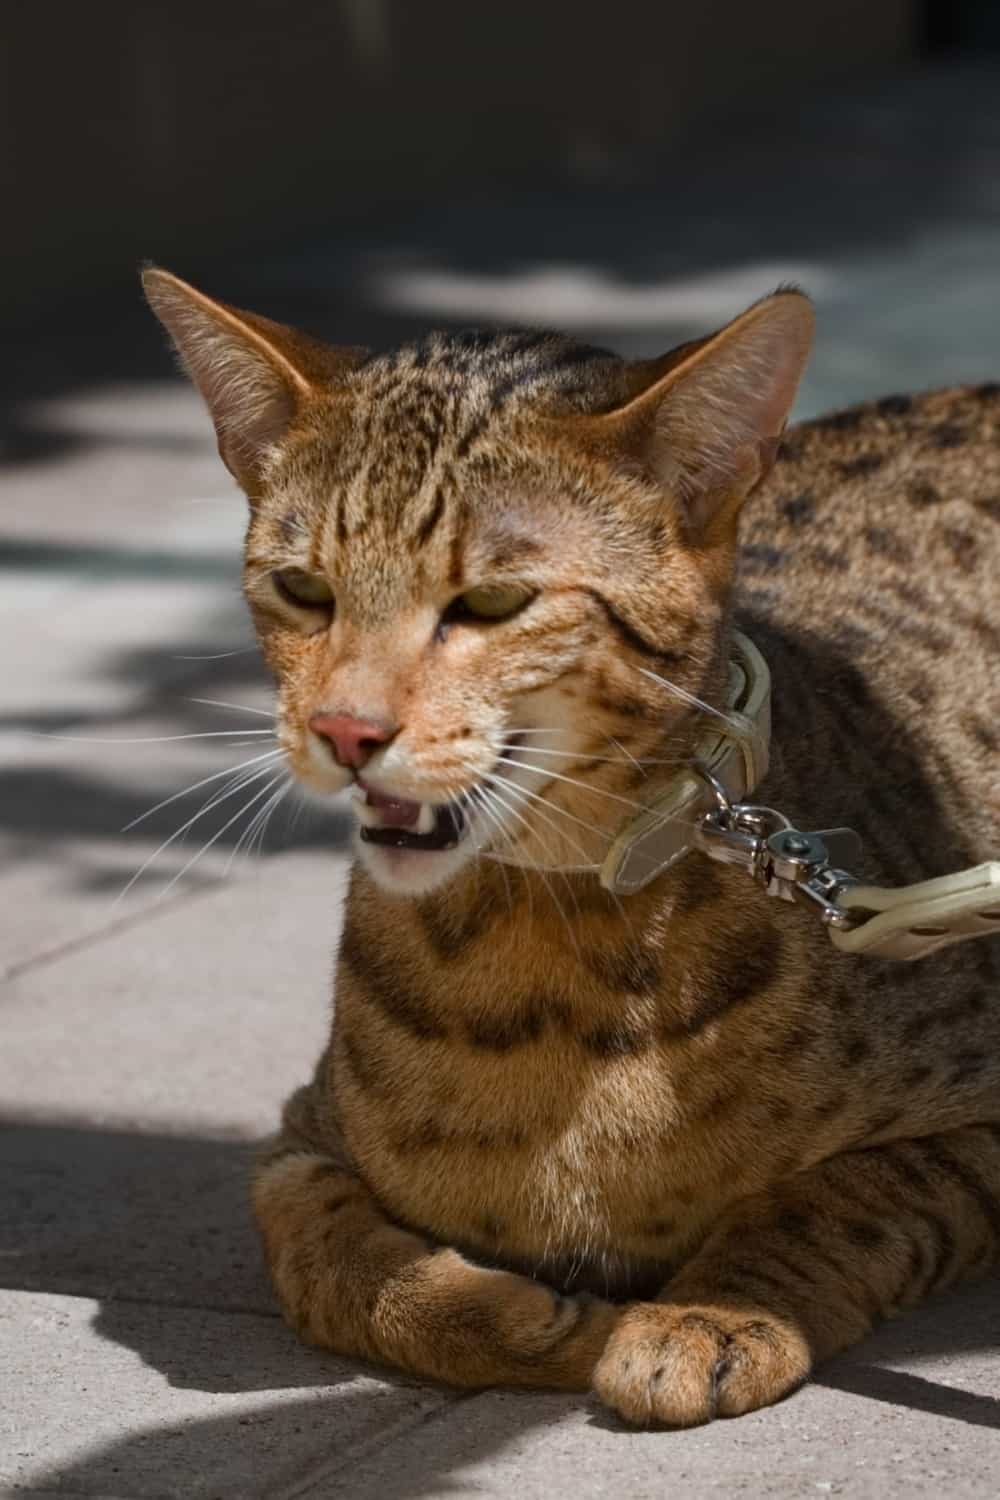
412,872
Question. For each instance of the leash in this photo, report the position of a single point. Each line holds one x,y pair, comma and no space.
704,807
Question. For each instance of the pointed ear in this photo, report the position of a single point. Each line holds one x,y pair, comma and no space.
254,375
709,416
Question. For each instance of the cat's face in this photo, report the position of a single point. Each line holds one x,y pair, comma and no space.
466,574
487,614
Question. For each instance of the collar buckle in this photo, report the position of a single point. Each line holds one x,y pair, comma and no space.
790,864
730,759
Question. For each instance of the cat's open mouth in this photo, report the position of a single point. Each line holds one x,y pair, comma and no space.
396,823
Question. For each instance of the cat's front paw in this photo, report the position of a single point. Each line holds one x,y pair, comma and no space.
681,1365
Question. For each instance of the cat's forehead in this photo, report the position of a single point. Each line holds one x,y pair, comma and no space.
463,372
432,440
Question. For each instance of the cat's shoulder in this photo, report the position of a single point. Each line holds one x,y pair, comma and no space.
906,461
947,432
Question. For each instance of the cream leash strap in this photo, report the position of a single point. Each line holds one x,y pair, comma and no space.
703,808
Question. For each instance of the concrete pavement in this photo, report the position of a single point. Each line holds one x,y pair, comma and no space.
148,1039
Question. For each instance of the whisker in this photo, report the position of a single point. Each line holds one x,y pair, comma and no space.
628,755
210,656
540,871
551,807
242,708
272,808
481,806
514,787
215,839
150,739
301,805
258,822
227,770
513,729
572,781
213,802
490,813
505,836
733,725
613,760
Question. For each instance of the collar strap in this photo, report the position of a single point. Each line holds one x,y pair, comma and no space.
732,752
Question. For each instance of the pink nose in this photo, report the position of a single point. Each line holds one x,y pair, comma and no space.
354,741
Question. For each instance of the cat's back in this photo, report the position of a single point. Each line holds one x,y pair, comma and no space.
871,573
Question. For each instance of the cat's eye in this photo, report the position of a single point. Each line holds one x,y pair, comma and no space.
491,601
309,590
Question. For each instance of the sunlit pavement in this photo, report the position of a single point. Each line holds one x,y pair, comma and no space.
150,1033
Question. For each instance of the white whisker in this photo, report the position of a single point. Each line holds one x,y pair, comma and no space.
215,838
619,746
581,755
513,729
242,708
733,725
151,739
213,801
271,809
505,839
515,788
479,802
552,808
540,870
228,770
572,781
211,656
301,804
258,823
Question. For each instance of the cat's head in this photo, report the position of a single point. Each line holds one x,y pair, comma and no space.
468,562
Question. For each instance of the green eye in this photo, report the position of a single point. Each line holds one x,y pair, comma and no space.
308,590
496,601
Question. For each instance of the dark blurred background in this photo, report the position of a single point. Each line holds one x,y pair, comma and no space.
559,130
635,174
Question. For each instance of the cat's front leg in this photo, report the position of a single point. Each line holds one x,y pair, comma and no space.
350,1280
792,1276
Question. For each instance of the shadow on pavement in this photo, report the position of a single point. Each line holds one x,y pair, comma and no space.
903,1388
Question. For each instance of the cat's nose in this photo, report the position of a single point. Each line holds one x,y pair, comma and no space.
353,741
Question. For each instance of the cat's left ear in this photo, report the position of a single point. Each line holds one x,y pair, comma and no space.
708,418
255,376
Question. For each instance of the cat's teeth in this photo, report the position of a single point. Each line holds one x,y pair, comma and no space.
425,822
365,814
373,817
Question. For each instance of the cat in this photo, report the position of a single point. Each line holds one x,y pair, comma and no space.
669,1146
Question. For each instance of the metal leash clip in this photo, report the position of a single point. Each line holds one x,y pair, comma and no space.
790,864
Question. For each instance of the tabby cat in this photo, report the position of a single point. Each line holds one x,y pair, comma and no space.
670,1146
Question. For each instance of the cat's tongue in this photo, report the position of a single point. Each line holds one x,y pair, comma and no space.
393,811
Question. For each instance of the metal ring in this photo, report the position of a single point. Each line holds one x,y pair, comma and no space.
715,787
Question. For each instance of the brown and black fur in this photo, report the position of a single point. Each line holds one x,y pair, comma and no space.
674,1147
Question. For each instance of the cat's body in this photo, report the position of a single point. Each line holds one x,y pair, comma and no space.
685,1095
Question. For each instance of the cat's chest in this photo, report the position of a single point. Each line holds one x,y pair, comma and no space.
529,1154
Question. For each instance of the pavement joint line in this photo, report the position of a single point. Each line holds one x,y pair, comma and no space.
154,910
381,1441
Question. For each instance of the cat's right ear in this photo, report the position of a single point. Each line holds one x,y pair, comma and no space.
255,376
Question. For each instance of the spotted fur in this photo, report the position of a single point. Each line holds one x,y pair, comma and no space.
675,1148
